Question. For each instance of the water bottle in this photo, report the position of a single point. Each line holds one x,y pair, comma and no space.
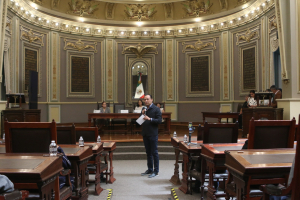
185,138
98,139
174,134
3,139
54,148
81,142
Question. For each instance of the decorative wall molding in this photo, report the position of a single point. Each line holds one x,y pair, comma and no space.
168,7
199,45
31,36
82,8
110,10
139,12
79,45
195,8
170,77
225,65
109,83
272,23
140,50
250,34
54,67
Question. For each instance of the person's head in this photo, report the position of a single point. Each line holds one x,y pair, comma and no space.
103,104
158,105
252,93
148,100
273,88
140,103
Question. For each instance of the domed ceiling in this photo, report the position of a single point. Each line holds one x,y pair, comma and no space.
96,16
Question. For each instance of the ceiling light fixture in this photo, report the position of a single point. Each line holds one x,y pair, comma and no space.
212,25
231,22
263,4
76,28
145,32
222,24
139,23
56,24
39,19
202,27
179,30
32,15
67,25
47,21
239,18
99,30
168,31
87,30
110,32
133,33
246,15
156,32
22,8
122,33
191,29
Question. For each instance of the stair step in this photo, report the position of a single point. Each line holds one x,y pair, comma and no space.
142,156
142,149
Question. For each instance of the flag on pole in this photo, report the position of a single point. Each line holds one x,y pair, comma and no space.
139,92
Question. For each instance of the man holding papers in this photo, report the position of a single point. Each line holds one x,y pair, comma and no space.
152,117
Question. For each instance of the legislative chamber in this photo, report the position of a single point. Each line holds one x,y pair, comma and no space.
150,99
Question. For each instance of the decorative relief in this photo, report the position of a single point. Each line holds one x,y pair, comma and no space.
241,2
168,10
272,23
199,45
83,8
110,10
55,4
195,8
40,2
8,26
139,12
31,37
109,73
80,46
224,4
247,36
139,50
170,78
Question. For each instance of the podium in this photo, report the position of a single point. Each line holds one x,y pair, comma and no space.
264,99
15,100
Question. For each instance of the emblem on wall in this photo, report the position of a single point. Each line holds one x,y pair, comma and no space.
139,11
32,37
80,46
84,8
247,36
199,45
140,50
195,8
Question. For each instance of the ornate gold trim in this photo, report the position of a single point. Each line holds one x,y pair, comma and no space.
84,8
80,46
195,8
198,46
32,37
140,50
139,12
247,36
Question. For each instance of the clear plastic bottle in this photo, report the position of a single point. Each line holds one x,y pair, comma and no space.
185,138
51,148
3,139
98,139
174,134
81,142
54,148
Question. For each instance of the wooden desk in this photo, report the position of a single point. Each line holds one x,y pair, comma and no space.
165,115
214,157
258,113
21,115
79,157
257,167
110,147
175,143
32,171
187,151
220,115
97,150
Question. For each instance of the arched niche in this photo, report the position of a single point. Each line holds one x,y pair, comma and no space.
135,65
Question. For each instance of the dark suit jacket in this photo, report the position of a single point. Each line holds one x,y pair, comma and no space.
278,95
150,128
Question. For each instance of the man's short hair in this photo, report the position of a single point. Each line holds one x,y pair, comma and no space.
273,87
149,95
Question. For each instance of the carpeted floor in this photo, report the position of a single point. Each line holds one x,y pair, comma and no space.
130,185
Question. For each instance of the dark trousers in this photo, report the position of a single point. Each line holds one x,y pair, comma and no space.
150,143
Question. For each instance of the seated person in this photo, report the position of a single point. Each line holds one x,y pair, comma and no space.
139,105
5,184
249,102
277,95
104,109
159,106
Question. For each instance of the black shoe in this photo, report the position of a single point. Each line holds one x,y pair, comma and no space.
153,175
146,172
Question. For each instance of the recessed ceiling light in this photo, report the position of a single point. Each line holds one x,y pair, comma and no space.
197,19
22,8
32,15
231,22
191,29
87,30
56,24
145,32
17,4
156,32
222,24
81,19
122,32
110,31
239,18
76,28
138,66
246,15
202,27
133,32
39,19
47,21
257,8
179,30
35,7
263,4
168,31
99,30
26,12
67,25
252,11
139,23
212,25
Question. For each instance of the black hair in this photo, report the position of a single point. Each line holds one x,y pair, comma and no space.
149,95
252,91
273,87
141,101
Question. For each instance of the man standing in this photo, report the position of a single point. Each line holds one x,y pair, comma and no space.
277,95
150,135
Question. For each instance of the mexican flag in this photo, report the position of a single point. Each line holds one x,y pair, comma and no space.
139,92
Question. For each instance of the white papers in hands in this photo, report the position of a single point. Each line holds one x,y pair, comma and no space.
140,120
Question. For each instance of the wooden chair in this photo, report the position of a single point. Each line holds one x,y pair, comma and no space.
89,134
66,134
15,195
212,133
268,134
117,108
99,105
220,132
292,186
34,137
29,137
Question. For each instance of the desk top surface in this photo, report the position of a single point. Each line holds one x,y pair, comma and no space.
74,152
109,146
251,160
220,148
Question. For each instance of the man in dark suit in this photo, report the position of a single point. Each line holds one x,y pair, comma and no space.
150,135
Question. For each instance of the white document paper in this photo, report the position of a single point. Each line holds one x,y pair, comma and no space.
97,111
140,120
124,111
